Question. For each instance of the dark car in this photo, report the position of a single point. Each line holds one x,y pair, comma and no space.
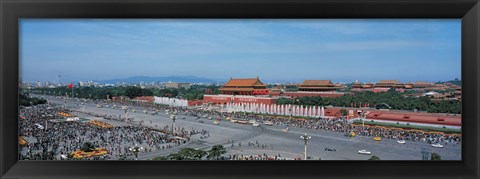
330,149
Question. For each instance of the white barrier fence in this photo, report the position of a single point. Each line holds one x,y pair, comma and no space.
170,101
294,110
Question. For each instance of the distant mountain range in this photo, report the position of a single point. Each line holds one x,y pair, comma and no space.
456,81
148,79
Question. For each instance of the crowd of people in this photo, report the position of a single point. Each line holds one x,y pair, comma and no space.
338,124
255,157
49,140
56,140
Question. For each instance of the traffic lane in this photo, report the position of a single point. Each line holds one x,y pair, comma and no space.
347,148
218,133
338,136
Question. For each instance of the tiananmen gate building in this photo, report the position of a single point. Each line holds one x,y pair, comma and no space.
245,86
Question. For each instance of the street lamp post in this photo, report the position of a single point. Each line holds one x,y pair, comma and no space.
363,119
305,138
173,117
290,111
135,150
126,115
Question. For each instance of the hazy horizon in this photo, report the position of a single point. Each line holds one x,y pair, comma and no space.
274,50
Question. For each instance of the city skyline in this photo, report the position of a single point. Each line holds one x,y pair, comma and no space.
274,50
120,81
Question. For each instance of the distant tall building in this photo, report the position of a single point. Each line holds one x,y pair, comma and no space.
85,83
178,85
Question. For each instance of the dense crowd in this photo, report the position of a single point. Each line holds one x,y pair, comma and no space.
50,140
338,124
55,140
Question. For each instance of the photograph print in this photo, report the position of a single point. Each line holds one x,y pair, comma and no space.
240,89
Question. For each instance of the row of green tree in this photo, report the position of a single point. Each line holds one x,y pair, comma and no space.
390,100
26,100
196,92
196,154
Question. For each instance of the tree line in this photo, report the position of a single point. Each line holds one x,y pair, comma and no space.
24,99
389,100
196,92
196,154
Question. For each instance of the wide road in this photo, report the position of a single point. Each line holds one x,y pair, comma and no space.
275,141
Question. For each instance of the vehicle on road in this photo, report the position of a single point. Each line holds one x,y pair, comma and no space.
251,121
437,145
256,124
350,134
377,138
401,141
39,126
364,152
233,121
268,123
330,149
99,106
285,130
242,122
145,111
216,122
124,107
200,121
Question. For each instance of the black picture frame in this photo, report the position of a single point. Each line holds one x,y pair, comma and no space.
12,10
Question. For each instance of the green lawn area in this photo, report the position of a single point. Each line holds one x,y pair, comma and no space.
405,126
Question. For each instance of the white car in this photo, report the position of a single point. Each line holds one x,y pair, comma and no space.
401,141
39,126
268,123
365,152
256,124
437,145
251,121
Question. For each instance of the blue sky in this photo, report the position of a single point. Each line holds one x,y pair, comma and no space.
274,50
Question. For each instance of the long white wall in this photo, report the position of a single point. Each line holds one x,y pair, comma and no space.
294,110
170,101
